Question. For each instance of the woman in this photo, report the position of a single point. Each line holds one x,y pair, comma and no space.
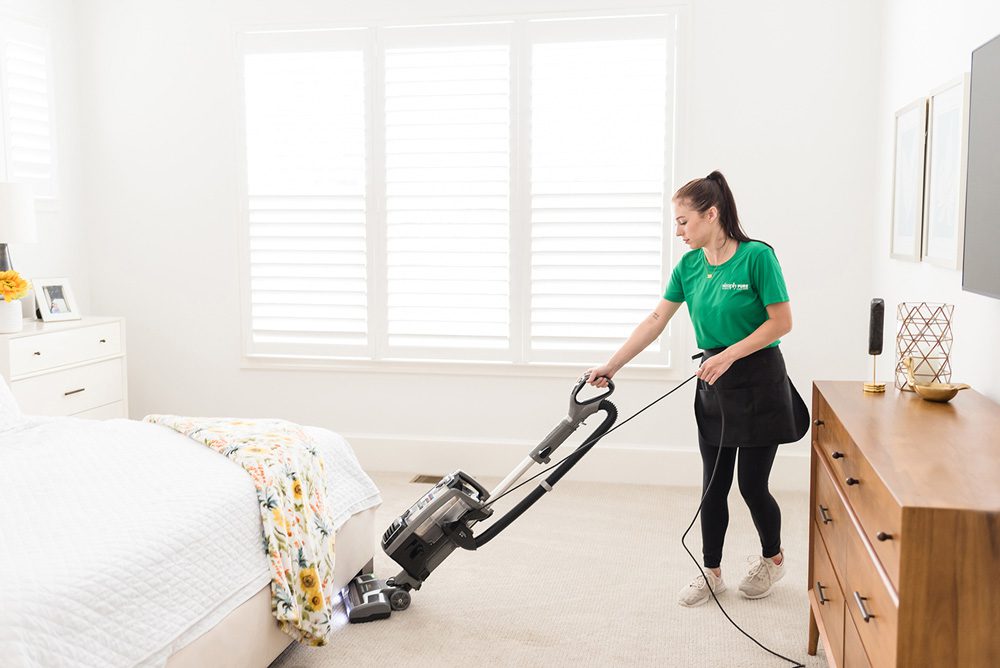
745,402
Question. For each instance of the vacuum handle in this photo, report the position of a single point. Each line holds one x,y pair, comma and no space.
579,386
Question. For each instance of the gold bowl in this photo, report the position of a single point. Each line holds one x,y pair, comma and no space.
938,391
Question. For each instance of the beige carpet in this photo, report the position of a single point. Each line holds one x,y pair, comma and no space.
588,577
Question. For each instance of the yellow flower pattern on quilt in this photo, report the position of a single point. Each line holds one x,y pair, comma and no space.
288,475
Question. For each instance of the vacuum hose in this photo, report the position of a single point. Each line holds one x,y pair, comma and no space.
561,470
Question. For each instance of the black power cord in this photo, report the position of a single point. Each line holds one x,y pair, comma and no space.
701,503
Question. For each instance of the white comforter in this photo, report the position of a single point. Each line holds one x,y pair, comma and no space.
121,542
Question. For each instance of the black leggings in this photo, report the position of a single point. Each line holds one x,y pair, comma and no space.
754,470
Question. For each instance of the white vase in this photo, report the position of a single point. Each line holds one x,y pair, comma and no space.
10,316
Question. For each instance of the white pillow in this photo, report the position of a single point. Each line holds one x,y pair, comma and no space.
10,413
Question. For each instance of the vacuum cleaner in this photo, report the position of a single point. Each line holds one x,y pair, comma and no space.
442,520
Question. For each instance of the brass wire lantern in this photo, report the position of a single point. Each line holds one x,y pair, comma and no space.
924,335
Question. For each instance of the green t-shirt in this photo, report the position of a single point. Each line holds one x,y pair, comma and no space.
730,305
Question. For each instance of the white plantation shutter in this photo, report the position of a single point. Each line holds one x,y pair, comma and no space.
484,191
598,132
29,145
447,184
306,184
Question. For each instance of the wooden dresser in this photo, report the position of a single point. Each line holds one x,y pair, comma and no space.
904,546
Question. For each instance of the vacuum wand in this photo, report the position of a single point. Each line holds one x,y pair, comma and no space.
542,454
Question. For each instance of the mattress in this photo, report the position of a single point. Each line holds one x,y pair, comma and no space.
121,541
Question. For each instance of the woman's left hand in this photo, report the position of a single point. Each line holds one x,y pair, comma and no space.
713,368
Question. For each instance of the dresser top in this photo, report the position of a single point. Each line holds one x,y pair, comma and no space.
929,455
32,327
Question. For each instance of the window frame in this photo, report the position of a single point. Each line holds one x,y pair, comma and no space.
676,339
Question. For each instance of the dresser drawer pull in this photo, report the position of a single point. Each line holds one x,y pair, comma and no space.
38,353
104,340
823,513
819,594
860,600
74,391
818,423
837,454
883,536
853,481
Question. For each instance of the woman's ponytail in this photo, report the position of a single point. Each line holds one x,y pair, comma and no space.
713,190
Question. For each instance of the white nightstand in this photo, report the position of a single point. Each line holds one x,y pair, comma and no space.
74,367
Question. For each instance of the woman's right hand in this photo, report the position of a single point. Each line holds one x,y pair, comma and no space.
599,376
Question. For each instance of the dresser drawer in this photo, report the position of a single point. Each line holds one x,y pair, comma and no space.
879,514
870,604
854,651
828,596
29,354
830,515
72,390
833,441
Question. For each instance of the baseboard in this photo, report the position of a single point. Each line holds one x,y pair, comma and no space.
614,463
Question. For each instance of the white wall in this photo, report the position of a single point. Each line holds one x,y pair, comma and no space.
61,249
778,94
928,44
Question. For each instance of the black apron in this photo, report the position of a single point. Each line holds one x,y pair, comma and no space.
762,406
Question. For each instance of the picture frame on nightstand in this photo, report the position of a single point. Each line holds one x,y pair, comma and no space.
54,299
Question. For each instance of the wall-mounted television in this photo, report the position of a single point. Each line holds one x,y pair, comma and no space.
981,262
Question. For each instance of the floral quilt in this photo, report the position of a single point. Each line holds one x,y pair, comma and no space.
288,474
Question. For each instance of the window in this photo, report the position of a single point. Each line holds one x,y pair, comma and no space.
25,98
490,191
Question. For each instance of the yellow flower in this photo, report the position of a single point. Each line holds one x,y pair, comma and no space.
314,600
12,286
307,576
297,489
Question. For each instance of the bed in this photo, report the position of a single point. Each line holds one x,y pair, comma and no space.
125,543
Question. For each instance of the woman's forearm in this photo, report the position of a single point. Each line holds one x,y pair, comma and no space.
645,333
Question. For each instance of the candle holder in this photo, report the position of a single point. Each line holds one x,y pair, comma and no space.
924,335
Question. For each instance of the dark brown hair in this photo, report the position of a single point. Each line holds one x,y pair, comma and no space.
702,194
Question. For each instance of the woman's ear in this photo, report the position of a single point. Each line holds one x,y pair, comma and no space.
712,214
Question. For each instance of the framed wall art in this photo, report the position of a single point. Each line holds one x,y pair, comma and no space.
944,183
908,181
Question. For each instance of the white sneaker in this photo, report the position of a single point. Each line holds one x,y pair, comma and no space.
762,577
697,591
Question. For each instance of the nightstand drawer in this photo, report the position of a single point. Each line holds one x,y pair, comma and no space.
70,391
30,354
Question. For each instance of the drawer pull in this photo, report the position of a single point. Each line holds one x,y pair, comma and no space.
819,593
38,353
104,340
883,536
818,423
860,600
837,454
853,481
66,394
823,513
